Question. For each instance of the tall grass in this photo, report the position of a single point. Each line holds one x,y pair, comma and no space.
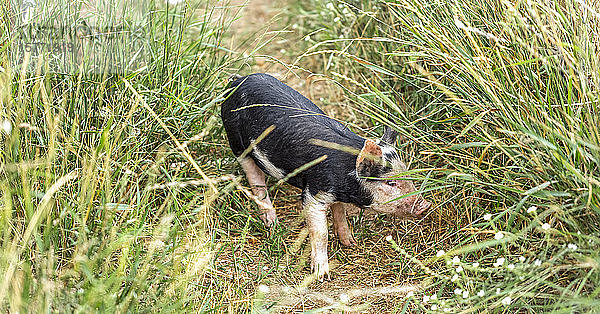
97,209
111,178
498,104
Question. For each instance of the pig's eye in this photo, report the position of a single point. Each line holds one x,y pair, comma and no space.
391,183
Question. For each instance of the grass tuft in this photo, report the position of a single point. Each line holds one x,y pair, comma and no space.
99,206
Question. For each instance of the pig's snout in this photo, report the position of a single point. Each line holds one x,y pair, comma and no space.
422,206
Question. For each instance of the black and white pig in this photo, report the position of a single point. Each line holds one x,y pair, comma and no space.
368,178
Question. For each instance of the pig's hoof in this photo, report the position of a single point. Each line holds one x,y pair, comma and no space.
321,269
347,239
269,218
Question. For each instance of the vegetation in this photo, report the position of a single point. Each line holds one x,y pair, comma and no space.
118,192
98,212
498,103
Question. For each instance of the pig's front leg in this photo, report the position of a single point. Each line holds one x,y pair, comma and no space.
340,224
315,209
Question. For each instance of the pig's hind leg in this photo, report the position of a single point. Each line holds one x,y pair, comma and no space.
340,224
256,178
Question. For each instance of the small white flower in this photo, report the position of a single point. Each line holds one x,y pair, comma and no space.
481,293
499,261
499,235
410,294
521,277
388,238
531,209
282,50
294,26
537,262
506,301
434,307
546,226
458,22
440,253
336,19
454,278
459,269
265,267
344,298
465,294
521,259
455,260
572,246
264,288
174,2
475,265
457,291
498,290
330,6
446,309
6,126
434,296
425,298
307,38
511,266
487,216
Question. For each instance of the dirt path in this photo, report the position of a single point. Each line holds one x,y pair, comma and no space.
259,22
262,20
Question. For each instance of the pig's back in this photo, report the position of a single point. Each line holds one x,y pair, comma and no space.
263,89
259,101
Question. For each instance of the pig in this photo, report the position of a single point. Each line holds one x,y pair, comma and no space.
365,174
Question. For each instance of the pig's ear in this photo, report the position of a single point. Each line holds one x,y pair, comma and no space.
389,135
369,160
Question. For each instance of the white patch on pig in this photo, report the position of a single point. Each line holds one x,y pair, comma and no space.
314,206
321,197
391,156
269,166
